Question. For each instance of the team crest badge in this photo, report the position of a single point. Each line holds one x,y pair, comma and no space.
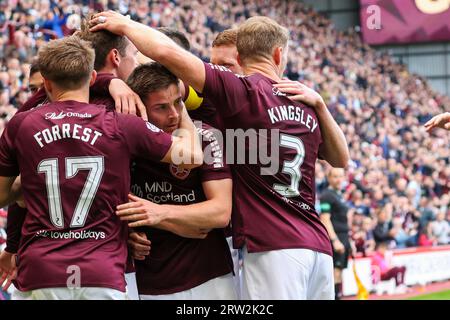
178,172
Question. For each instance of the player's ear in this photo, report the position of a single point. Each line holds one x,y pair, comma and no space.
93,78
277,55
114,57
48,87
238,58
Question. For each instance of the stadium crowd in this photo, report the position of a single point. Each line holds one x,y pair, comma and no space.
398,181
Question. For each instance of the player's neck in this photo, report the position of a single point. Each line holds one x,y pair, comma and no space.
266,69
81,95
107,69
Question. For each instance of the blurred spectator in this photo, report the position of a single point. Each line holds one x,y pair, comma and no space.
400,235
426,237
441,229
381,264
366,237
382,230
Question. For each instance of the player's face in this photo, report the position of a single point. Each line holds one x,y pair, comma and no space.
128,62
36,82
164,108
226,56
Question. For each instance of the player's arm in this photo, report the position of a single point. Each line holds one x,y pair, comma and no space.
213,213
10,190
10,187
140,212
154,45
440,121
334,148
16,218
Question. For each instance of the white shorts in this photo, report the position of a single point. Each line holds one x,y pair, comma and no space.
288,274
220,288
87,293
132,290
236,267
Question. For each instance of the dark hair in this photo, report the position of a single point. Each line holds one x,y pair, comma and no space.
103,42
150,77
34,67
177,36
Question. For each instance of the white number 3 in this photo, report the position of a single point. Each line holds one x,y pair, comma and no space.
292,168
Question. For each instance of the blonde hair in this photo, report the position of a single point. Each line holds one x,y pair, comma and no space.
259,36
226,38
68,62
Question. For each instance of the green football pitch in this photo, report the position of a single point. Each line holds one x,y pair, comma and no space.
442,295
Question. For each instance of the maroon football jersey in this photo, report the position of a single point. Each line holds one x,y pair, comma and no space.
175,263
99,95
74,160
276,210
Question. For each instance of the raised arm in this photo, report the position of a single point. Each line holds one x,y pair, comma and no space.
154,45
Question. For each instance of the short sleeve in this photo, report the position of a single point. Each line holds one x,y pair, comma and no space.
9,166
325,202
214,166
143,138
224,89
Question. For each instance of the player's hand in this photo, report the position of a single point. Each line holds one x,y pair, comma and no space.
109,20
440,121
140,212
8,270
297,91
126,100
139,244
338,247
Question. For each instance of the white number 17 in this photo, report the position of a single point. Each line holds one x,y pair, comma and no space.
49,167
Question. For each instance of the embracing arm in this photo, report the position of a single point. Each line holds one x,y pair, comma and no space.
334,148
215,212
195,218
